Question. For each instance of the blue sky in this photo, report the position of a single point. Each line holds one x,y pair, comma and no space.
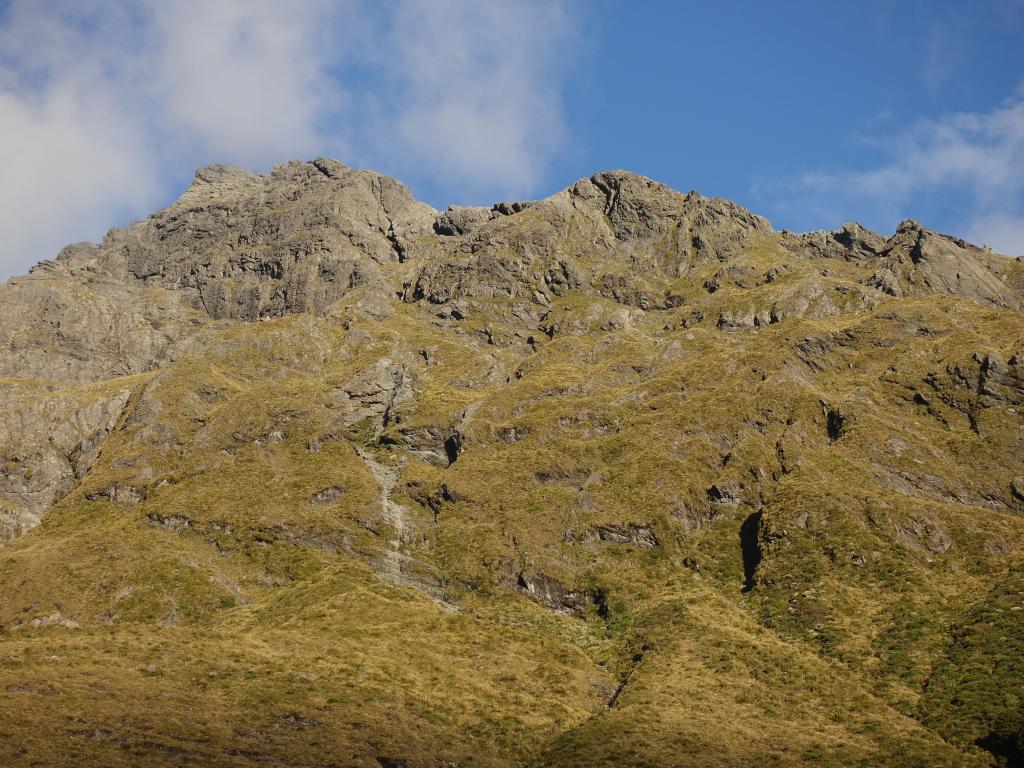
810,113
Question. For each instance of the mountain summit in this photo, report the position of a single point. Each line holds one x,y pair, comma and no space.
302,472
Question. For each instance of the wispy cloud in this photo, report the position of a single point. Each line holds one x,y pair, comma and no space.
478,89
942,54
107,105
976,159
248,80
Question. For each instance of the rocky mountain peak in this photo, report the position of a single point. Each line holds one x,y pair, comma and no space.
621,471
244,246
220,174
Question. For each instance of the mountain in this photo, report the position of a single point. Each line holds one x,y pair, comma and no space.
301,472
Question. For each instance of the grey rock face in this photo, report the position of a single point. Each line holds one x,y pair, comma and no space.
234,246
461,220
916,261
886,281
1017,488
375,391
613,218
1001,381
637,534
551,592
61,327
736,319
929,262
851,243
241,246
245,246
48,444
318,237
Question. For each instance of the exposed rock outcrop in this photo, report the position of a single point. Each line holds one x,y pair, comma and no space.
315,473
246,246
243,247
47,445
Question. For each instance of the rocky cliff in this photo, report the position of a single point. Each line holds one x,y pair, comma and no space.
299,471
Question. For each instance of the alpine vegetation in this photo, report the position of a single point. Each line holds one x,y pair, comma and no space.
302,472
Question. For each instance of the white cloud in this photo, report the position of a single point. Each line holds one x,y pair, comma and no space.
247,80
105,106
478,89
71,155
976,159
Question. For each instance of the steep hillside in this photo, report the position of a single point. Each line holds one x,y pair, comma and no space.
300,472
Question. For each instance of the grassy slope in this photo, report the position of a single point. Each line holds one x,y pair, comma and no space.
223,617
